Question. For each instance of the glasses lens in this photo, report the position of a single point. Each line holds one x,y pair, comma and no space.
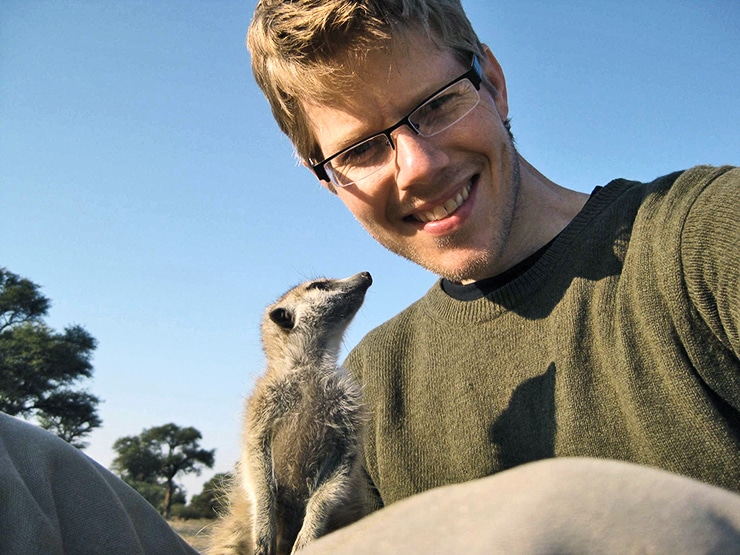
360,161
445,109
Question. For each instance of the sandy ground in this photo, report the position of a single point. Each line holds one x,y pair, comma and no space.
193,531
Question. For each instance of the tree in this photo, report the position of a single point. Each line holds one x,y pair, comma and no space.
211,501
152,460
40,369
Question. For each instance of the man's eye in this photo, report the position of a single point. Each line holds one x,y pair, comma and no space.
439,102
364,154
356,154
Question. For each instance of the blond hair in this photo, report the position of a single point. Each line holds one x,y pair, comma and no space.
302,49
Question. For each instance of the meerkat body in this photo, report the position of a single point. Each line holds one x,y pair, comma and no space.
300,472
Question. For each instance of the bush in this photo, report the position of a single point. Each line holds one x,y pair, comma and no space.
209,503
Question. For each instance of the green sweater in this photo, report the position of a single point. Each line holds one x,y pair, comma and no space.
622,341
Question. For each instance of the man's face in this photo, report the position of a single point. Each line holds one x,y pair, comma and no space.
446,202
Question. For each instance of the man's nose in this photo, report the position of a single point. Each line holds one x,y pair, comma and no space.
418,159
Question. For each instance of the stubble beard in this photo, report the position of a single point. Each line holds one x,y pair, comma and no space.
478,262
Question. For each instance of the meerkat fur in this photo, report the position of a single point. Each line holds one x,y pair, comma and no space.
300,474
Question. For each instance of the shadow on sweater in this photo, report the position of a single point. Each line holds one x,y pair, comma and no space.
525,431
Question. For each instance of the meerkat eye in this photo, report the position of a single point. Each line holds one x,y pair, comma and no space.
321,285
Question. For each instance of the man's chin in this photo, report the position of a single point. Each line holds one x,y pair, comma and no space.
467,269
449,259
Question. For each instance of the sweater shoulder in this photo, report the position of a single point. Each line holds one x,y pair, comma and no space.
701,201
390,335
710,258
680,187
652,217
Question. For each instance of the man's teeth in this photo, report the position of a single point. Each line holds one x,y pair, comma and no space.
444,210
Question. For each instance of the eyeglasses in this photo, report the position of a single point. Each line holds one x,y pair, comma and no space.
441,110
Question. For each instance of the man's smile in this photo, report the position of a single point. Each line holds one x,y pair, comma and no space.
445,209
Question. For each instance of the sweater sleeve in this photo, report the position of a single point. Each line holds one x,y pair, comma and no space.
710,251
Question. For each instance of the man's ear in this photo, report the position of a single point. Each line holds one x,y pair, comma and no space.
493,73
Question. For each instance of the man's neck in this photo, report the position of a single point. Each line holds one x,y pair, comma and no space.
544,209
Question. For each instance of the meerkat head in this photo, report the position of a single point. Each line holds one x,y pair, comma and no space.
311,318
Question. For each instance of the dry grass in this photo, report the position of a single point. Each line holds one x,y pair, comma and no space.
192,531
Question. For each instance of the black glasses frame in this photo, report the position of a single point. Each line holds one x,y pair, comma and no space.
474,74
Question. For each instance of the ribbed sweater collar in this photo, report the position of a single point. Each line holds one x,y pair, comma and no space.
441,307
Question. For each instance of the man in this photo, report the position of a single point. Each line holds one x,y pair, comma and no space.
564,325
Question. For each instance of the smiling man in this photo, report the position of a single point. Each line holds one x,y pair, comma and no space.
603,326
447,191
571,384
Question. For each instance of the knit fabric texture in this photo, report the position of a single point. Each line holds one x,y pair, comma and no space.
621,342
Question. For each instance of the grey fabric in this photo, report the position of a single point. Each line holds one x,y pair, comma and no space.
557,506
54,499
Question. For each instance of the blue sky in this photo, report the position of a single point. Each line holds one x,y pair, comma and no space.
145,187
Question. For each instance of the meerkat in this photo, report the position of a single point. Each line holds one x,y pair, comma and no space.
300,474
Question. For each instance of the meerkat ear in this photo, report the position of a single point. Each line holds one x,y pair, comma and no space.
283,318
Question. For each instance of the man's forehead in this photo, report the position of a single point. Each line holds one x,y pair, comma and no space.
408,56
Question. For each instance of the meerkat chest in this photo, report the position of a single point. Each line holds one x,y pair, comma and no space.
318,417
310,399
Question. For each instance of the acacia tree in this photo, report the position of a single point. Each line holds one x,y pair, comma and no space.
151,461
40,369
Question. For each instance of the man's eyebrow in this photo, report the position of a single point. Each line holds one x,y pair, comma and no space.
341,145
355,138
